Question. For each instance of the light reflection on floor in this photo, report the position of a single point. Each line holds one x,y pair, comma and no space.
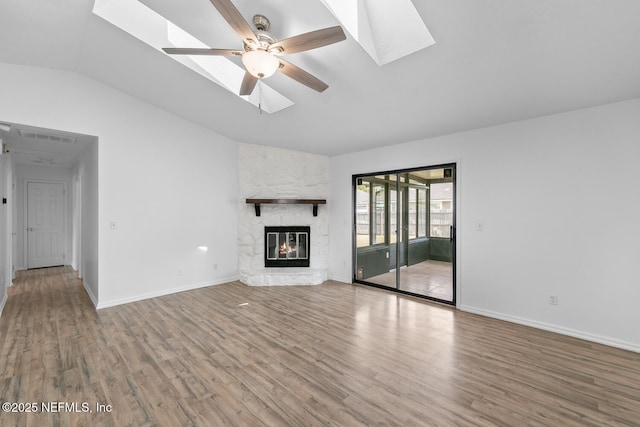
429,278
402,323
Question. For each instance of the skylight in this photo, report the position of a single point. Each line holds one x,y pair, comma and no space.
386,30
153,29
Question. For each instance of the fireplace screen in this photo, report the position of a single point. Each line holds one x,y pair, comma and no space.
286,246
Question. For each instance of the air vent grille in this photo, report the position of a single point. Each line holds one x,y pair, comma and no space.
47,137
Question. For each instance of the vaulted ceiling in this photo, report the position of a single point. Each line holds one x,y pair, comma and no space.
494,61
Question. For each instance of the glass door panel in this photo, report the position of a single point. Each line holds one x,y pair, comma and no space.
430,250
374,256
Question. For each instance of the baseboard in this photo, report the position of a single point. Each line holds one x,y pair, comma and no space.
93,298
121,301
554,328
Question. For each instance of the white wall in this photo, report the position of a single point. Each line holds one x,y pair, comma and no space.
560,205
87,173
169,185
26,173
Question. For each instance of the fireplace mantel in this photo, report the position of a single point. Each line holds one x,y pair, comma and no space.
314,202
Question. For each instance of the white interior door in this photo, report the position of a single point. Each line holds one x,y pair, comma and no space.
45,224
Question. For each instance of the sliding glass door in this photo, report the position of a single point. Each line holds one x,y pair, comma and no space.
405,231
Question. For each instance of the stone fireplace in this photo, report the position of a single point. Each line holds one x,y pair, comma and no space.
262,258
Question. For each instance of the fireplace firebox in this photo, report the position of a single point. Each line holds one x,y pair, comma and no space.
287,246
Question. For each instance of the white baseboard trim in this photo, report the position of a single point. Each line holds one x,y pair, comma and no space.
612,342
121,301
94,299
3,302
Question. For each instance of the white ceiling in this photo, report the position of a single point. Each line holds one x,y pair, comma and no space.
494,61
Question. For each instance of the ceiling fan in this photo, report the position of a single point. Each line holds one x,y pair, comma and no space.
262,52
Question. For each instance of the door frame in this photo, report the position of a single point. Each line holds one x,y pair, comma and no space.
76,218
10,221
65,217
453,236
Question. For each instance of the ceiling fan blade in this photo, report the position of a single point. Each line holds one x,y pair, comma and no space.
201,51
231,14
308,41
301,76
248,83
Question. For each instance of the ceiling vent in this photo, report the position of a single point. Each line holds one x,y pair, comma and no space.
47,137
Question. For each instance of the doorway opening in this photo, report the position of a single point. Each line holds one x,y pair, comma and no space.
404,231
54,177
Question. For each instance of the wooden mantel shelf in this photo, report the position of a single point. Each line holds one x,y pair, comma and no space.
314,202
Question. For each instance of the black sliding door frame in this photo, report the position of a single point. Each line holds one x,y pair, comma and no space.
402,212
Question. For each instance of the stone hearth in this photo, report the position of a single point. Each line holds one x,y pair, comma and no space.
283,276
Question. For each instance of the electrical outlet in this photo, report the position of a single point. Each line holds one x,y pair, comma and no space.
553,299
180,271
215,266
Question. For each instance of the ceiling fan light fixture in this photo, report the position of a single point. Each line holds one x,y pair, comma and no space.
260,63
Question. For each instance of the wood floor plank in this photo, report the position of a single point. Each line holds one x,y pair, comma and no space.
332,354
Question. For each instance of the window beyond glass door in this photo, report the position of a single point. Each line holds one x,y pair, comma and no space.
373,219
379,200
393,215
441,209
422,212
371,207
363,220
413,213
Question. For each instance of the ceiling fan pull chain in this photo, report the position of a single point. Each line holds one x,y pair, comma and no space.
260,95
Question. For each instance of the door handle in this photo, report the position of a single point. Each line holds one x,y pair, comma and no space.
31,229
452,233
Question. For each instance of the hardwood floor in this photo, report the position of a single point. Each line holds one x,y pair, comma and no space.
332,354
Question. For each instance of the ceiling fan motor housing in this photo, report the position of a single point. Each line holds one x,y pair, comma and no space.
261,23
265,39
